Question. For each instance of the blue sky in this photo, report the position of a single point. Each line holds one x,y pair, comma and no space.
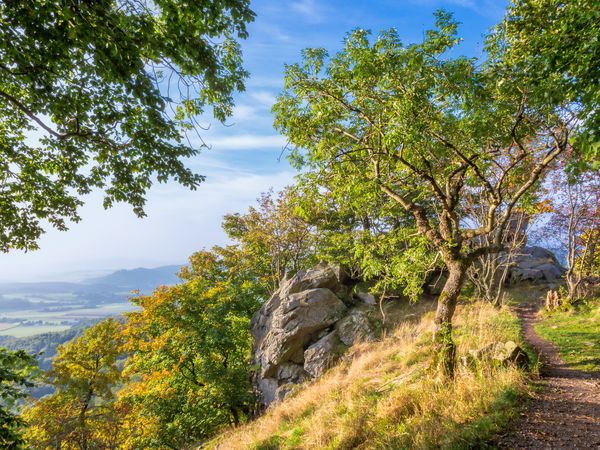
244,157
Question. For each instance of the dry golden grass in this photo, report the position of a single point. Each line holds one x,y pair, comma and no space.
385,397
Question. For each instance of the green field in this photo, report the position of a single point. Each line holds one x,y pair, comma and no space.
26,330
56,320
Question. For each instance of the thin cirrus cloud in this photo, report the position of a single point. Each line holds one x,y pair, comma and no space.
246,142
486,8
310,10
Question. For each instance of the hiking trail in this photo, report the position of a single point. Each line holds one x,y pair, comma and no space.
565,413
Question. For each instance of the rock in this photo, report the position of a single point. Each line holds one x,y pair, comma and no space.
504,353
366,298
322,276
539,252
321,355
282,392
303,329
291,324
267,387
356,326
518,275
511,354
550,271
290,372
535,265
484,352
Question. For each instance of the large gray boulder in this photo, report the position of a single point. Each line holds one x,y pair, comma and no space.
297,317
304,328
535,265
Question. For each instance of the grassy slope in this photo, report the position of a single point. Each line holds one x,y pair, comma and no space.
576,333
384,396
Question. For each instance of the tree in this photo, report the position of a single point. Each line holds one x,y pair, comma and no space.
489,272
189,345
103,95
85,372
554,45
17,371
189,354
574,222
358,228
273,237
424,130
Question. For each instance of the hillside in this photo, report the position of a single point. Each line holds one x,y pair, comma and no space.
142,279
382,396
27,309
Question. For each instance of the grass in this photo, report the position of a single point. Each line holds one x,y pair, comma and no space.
576,333
384,396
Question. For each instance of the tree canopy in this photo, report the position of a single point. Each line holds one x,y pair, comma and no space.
554,47
423,130
105,95
17,372
81,413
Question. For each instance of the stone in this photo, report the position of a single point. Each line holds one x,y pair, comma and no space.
511,354
322,276
551,272
504,353
283,391
267,388
290,372
535,265
302,330
323,354
356,326
366,298
518,275
291,324
539,252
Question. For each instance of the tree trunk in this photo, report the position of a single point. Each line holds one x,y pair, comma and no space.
445,350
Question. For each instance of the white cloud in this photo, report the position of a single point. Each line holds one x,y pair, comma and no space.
244,112
309,9
246,142
264,98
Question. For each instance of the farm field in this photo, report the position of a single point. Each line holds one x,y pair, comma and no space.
31,323
32,330
30,309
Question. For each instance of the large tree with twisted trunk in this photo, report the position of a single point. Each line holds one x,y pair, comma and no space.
425,130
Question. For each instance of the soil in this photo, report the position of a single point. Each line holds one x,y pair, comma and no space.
565,413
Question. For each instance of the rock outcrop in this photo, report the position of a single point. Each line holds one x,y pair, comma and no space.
304,328
536,265
530,264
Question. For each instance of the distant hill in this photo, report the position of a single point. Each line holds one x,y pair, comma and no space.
138,279
145,280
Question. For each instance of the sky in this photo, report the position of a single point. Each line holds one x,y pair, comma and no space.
245,155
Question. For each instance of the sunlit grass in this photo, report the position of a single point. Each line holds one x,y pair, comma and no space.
576,333
385,396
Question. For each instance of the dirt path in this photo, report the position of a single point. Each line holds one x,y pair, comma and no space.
566,412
